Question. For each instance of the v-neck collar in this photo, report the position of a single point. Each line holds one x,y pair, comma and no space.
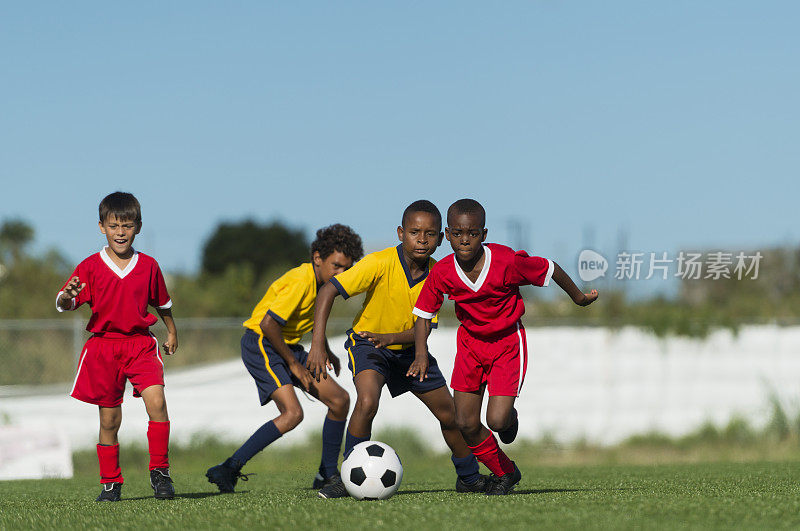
475,286
411,281
121,273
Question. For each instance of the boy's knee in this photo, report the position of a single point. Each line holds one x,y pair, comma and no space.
340,405
447,418
293,416
367,406
110,424
497,421
467,423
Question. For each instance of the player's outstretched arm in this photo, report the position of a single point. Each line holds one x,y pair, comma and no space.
318,362
565,282
71,290
273,331
419,367
384,340
171,344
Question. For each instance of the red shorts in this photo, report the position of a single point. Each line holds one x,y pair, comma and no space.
499,363
106,363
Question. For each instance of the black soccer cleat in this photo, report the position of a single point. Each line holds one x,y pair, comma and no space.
508,435
225,476
502,485
162,484
111,492
479,485
334,489
320,481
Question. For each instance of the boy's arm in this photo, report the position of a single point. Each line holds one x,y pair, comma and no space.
419,367
273,332
565,282
333,358
318,362
171,344
384,340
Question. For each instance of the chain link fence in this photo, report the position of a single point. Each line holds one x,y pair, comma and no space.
45,351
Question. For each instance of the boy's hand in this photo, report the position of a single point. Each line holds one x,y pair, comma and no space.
302,374
419,368
71,290
377,340
318,362
171,344
588,298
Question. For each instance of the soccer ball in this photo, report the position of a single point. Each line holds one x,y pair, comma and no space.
372,471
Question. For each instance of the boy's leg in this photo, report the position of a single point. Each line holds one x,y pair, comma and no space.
158,441
441,404
332,395
501,416
108,447
368,390
480,440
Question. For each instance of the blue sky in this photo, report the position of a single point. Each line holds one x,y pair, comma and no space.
673,122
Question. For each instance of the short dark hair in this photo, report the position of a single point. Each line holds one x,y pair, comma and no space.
422,205
337,237
123,205
467,206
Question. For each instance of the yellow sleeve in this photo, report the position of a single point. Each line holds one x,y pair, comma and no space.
359,278
289,294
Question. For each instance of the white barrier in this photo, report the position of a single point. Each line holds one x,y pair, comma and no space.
593,383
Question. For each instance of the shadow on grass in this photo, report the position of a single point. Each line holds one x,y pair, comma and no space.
191,495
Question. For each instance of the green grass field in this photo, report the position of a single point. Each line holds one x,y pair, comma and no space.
694,495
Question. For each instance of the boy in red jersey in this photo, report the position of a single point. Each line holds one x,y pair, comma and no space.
484,281
119,283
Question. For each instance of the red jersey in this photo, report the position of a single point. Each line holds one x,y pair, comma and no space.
119,297
492,305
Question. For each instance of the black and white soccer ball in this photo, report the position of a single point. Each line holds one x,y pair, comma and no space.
372,471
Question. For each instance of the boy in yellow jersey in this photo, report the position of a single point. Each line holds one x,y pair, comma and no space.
276,361
380,345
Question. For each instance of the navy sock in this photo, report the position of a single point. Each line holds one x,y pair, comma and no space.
332,432
350,441
466,468
263,436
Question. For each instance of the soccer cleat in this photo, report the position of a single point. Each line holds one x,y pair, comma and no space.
502,485
225,476
111,492
320,482
508,435
162,484
479,485
334,489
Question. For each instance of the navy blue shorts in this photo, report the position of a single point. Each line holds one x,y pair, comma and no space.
266,366
392,364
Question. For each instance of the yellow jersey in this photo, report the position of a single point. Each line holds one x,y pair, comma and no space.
290,301
391,292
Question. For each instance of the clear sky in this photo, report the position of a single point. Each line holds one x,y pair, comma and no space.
674,122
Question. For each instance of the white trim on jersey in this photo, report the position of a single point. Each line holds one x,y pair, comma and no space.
476,286
549,274
121,273
167,306
78,373
421,313
61,310
523,355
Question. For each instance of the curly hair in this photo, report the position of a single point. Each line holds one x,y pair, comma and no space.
422,205
467,206
337,237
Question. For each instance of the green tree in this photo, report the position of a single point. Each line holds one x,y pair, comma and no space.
15,235
262,247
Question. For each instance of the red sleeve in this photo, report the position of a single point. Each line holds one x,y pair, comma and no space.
158,290
531,269
85,296
430,297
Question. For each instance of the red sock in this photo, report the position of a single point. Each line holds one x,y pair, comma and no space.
108,457
158,444
490,454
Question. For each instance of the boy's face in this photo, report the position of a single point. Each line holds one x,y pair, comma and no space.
120,234
336,262
420,235
465,235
